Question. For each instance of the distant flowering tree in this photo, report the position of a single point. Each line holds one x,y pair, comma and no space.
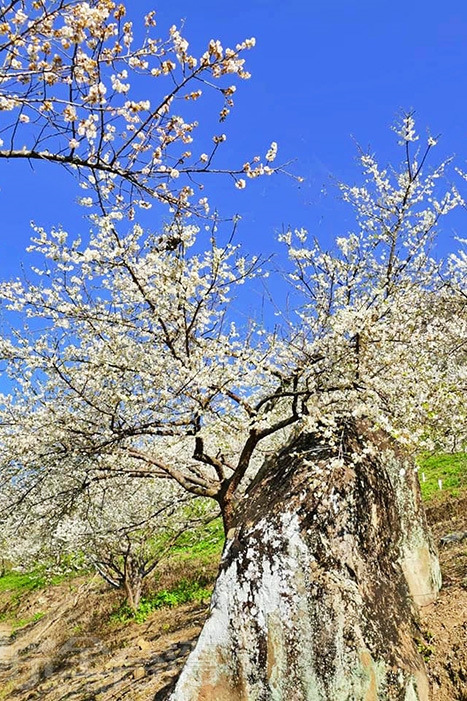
119,525
82,87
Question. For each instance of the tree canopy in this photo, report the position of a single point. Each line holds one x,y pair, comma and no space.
128,347
122,351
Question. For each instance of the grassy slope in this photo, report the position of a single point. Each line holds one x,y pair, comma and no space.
448,469
187,575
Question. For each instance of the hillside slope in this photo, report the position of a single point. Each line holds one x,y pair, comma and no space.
68,648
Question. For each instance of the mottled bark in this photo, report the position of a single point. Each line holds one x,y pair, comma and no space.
133,583
320,581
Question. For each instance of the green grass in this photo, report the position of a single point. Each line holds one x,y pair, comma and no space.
17,585
200,543
184,592
23,582
18,623
451,469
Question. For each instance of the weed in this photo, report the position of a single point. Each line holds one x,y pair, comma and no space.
424,645
6,690
425,650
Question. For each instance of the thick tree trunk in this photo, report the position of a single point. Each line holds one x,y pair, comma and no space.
320,581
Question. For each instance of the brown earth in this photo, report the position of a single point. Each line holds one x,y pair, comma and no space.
74,653
444,623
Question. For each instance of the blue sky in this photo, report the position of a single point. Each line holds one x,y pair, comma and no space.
324,73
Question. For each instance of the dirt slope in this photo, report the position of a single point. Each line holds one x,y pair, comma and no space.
444,623
74,653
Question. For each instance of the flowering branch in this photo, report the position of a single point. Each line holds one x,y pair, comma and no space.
71,77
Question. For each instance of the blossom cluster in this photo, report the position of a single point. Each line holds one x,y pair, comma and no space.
72,85
384,316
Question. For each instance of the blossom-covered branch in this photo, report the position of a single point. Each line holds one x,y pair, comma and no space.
75,83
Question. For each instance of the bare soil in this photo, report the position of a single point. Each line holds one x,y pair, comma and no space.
444,623
74,653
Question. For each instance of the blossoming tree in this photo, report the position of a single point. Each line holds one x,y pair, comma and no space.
120,526
124,351
128,350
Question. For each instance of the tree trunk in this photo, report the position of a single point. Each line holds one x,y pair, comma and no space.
320,581
133,584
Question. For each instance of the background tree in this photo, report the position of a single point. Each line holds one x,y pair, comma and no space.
120,526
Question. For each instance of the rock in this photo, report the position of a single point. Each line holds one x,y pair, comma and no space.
453,537
328,558
143,644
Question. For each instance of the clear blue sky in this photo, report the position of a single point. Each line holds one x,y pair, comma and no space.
323,72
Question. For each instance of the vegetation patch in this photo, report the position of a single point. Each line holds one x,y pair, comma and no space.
442,475
6,690
184,592
200,543
22,582
19,623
